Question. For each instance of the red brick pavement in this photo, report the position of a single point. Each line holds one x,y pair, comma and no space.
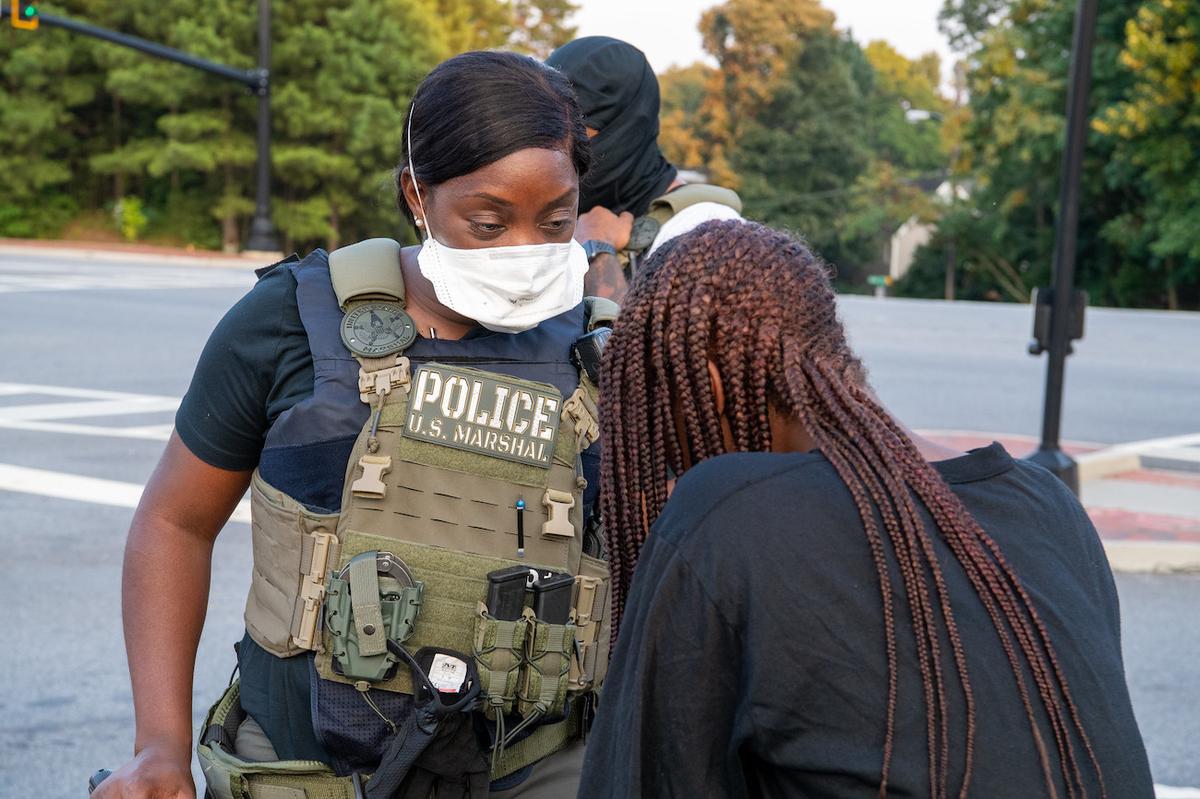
1124,525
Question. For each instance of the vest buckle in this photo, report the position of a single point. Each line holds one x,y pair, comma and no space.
370,484
579,411
380,382
558,506
312,588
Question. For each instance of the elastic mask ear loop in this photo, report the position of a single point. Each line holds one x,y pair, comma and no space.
412,172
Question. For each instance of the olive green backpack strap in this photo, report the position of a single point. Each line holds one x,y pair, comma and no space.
646,227
600,312
691,194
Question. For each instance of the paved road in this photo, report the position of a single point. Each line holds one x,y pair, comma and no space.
965,366
93,358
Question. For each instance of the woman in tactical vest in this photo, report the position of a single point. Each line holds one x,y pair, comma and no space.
828,604
427,606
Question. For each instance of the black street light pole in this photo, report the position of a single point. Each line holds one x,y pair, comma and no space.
1058,317
262,231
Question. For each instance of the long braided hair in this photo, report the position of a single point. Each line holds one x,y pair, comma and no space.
759,304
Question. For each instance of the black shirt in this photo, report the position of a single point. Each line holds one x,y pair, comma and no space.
256,365
751,659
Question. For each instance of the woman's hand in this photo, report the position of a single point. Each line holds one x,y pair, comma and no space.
159,771
601,224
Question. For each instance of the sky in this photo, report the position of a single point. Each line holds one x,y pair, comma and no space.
665,30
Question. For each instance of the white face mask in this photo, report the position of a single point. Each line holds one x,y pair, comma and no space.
505,289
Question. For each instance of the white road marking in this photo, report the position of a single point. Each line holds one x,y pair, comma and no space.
74,410
19,278
60,485
41,417
150,432
67,391
1170,792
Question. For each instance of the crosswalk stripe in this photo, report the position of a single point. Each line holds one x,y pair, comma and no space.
157,279
72,410
10,389
149,432
1170,792
60,485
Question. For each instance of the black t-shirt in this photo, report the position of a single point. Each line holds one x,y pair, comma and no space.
751,659
256,365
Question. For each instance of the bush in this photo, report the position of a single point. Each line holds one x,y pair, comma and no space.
130,218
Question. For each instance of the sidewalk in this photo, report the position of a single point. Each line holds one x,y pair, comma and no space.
135,253
1144,497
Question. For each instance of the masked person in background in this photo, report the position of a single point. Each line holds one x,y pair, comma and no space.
426,606
633,199
825,604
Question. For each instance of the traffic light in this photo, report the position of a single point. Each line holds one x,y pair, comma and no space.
24,14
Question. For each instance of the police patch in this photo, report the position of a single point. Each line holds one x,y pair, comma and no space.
376,329
483,413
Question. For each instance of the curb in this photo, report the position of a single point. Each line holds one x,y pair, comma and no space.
247,260
1177,453
1155,557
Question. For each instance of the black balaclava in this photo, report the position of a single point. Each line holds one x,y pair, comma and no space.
618,94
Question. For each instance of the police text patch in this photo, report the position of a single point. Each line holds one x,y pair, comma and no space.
483,413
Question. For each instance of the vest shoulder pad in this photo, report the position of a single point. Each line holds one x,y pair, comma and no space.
691,194
600,312
367,270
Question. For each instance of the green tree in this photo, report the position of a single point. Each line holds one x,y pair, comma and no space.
773,119
796,157
1156,127
88,124
539,26
342,88
682,136
43,84
172,122
1018,65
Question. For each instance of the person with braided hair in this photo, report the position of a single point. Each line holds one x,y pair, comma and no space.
812,600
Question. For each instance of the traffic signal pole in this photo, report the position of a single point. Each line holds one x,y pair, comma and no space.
262,230
1064,303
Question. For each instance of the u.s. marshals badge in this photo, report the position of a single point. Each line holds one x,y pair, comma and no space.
484,413
376,329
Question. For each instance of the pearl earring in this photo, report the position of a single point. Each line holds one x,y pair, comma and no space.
420,223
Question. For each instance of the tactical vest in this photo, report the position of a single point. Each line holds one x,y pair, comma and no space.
384,500
646,227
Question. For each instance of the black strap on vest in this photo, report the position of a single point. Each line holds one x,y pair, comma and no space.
437,745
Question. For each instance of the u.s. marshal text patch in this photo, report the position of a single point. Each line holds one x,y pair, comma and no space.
484,413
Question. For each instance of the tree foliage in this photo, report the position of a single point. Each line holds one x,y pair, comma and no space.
807,125
841,142
837,140
87,124
1139,229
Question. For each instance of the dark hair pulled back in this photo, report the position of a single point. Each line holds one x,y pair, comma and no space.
478,107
